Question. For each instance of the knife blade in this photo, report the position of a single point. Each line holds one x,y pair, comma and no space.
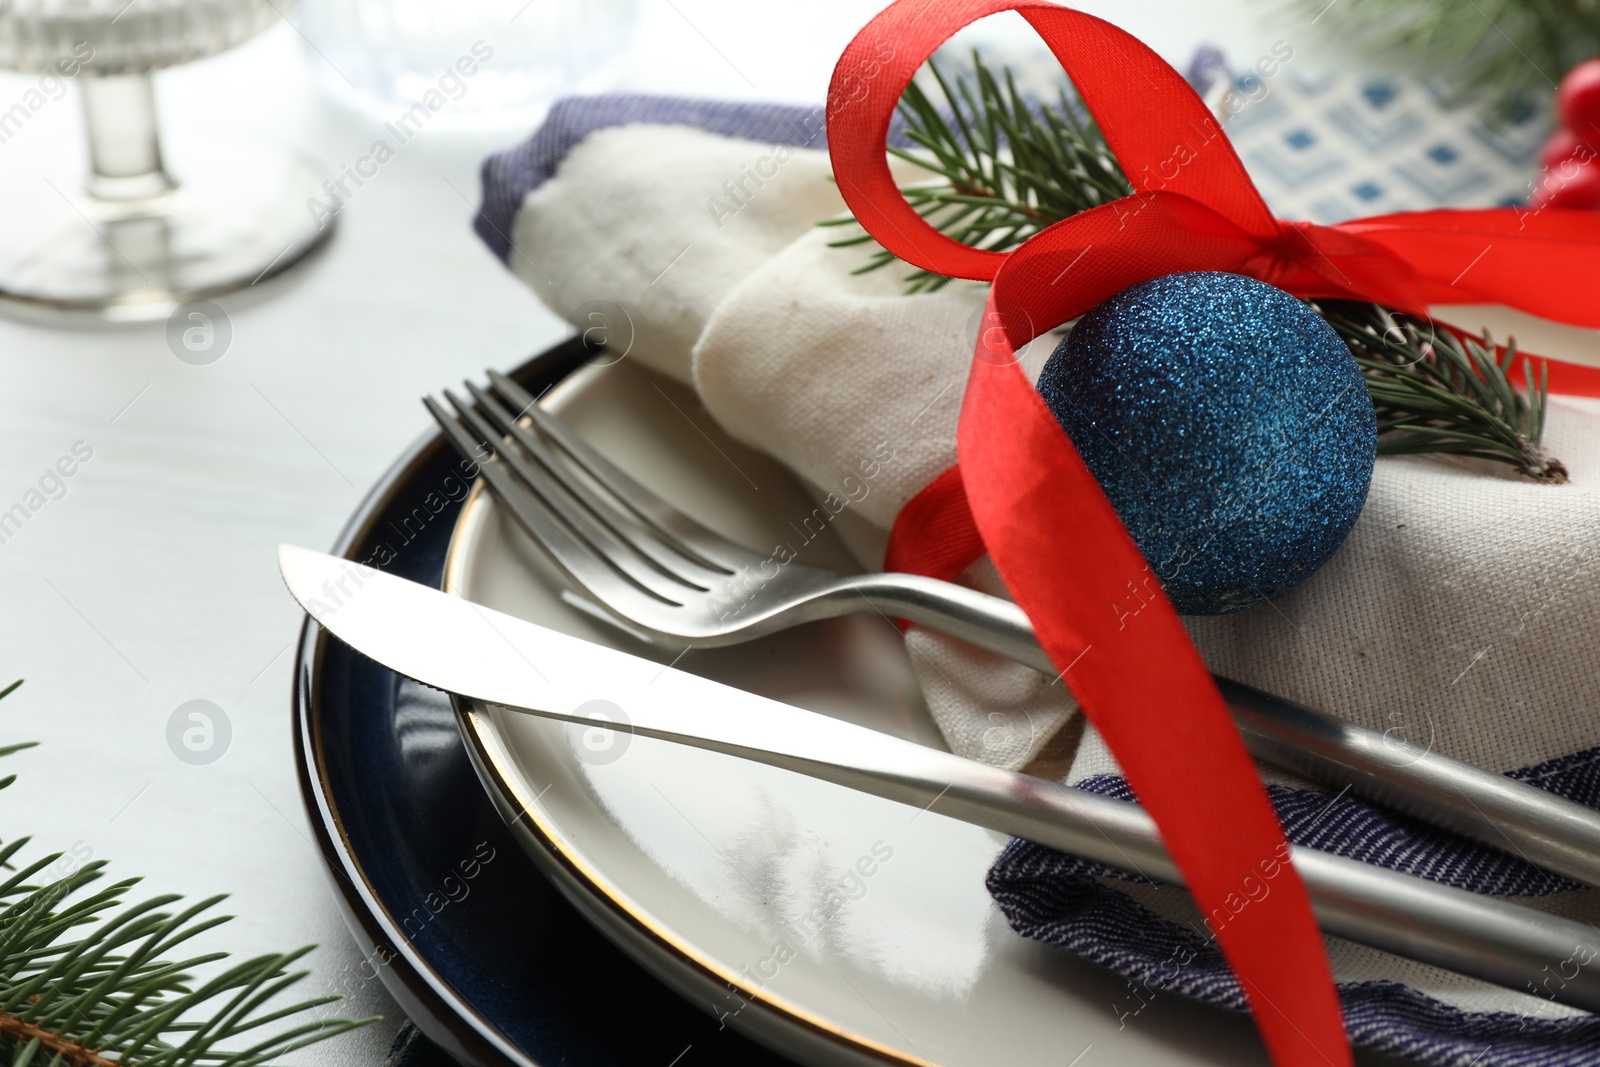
461,647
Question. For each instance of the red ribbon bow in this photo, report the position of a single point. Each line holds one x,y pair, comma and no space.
1022,493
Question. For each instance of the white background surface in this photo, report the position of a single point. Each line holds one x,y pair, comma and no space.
152,582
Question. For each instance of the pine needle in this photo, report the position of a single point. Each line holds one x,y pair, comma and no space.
1436,392
87,978
1007,166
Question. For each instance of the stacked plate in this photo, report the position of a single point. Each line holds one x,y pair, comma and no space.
534,893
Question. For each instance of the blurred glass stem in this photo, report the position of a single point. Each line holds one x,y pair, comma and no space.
119,114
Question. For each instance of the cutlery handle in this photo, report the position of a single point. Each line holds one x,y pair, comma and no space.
990,622
1544,829
1540,827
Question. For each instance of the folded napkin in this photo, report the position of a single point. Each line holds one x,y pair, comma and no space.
1461,613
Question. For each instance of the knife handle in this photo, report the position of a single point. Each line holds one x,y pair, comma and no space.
1505,814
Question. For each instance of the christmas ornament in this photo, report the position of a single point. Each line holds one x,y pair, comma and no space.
1229,426
1561,146
1578,99
1570,179
1573,183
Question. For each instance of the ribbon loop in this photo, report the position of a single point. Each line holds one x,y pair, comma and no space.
1102,59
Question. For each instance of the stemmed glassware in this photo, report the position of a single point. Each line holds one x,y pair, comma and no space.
133,242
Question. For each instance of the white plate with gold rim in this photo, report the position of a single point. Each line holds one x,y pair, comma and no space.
833,926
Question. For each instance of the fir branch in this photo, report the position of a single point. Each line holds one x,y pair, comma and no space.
87,978
1436,392
1008,167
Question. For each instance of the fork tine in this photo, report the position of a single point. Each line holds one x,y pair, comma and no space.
640,538
609,579
536,480
581,565
677,528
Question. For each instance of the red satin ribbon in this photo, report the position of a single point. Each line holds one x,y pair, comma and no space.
1022,493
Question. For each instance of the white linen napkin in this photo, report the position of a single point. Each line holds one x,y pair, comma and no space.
789,352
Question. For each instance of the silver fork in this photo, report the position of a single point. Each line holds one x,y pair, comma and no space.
660,572
666,574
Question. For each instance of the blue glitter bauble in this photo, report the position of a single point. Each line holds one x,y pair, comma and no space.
1229,426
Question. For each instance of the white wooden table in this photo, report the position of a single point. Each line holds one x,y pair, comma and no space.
152,581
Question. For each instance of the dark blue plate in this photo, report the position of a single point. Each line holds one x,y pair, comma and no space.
455,921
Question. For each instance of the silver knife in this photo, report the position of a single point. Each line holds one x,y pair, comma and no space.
464,648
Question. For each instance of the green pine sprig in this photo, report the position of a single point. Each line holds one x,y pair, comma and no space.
89,978
1007,166
1436,392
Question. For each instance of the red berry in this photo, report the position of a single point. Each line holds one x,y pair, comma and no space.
1572,183
1578,99
1564,145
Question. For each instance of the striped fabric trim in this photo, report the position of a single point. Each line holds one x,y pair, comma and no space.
509,176
1073,904
1576,777
1159,957
1346,826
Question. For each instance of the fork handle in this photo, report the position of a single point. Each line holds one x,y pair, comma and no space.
1557,834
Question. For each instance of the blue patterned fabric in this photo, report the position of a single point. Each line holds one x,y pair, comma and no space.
509,176
1328,146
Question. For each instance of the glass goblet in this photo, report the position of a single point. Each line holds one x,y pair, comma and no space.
133,242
